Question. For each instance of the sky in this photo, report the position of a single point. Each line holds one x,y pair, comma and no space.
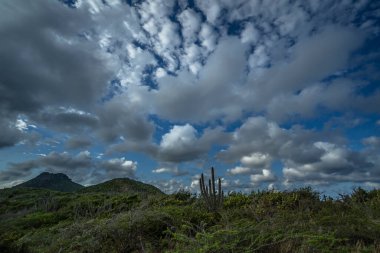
273,94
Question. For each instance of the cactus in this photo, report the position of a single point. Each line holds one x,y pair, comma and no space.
213,198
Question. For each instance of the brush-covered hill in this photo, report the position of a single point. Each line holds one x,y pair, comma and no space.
298,221
52,181
123,185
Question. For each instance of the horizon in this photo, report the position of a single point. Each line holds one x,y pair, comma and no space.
198,193
272,95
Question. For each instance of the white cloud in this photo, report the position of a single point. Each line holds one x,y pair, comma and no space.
208,37
240,170
123,163
170,169
183,143
193,52
116,168
259,59
265,177
179,136
168,36
291,85
188,98
160,72
190,23
170,186
211,8
250,34
21,125
163,170
304,157
151,26
256,160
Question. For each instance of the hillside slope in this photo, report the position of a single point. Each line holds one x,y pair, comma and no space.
123,185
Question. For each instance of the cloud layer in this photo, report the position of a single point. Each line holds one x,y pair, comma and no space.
273,93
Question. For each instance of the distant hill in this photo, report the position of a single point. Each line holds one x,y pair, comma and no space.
123,185
52,181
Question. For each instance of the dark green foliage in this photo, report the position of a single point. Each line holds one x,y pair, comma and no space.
38,220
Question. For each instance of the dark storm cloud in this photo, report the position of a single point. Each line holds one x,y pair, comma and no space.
17,170
67,120
56,162
42,58
46,67
117,119
44,62
78,142
9,134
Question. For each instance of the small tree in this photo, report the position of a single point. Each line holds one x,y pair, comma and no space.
213,198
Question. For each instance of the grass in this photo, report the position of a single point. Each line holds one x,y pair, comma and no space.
35,220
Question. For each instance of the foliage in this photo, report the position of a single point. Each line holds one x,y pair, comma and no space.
37,220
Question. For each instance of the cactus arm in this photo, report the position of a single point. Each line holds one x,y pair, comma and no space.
204,190
213,181
213,199
220,192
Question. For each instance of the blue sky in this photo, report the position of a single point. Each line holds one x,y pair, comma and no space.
273,94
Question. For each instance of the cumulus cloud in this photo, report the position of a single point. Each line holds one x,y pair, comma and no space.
252,164
211,8
240,170
250,34
191,23
183,143
256,160
313,59
169,186
304,157
187,98
119,167
266,176
119,119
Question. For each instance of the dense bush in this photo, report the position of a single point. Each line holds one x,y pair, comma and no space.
263,221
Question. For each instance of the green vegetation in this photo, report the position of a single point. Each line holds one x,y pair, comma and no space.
104,220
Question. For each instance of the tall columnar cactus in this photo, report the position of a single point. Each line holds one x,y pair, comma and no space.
213,198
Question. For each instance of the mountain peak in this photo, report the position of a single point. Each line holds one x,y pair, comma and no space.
49,175
52,181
